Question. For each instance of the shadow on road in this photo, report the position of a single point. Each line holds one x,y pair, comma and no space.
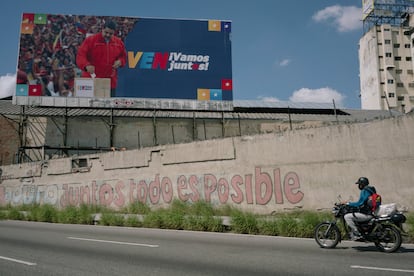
373,248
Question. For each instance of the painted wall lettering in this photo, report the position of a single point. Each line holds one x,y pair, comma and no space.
262,187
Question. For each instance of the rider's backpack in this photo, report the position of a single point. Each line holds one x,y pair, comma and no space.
374,200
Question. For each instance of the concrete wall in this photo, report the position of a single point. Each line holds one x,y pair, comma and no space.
9,141
305,168
136,133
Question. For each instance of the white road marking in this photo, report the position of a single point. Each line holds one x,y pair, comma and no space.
16,261
382,268
116,242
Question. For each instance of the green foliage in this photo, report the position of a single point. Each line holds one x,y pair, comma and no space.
85,214
197,216
172,218
288,226
293,224
43,213
201,208
409,227
153,220
133,221
3,214
6,207
244,222
77,215
179,207
69,215
15,214
27,207
112,219
269,227
138,207
306,222
224,210
204,223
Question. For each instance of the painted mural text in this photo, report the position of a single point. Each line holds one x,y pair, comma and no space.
258,188
168,61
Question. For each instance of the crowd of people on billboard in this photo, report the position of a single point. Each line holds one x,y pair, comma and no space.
47,54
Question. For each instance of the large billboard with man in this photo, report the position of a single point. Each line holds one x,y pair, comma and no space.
109,61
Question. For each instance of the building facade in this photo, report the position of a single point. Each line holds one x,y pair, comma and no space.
386,69
386,58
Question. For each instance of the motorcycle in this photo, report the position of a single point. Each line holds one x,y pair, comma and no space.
384,229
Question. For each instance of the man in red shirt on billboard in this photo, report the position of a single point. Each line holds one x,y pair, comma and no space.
101,54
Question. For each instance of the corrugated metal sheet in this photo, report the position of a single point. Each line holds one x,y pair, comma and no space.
281,104
352,115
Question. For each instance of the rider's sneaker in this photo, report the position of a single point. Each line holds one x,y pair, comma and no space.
356,237
359,239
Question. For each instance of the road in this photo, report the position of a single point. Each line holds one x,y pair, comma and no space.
33,248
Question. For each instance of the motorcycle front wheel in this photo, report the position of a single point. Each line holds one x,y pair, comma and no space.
327,235
390,240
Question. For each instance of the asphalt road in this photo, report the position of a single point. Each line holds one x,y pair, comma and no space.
32,248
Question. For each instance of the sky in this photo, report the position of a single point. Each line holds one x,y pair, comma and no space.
296,50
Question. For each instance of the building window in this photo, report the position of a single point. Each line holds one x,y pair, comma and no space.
398,71
391,95
407,46
396,32
408,58
397,58
388,54
410,71
400,84
390,81
396,45
79,163
411,84
387,41
400,98
386,30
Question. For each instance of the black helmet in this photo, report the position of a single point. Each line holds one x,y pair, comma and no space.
362,182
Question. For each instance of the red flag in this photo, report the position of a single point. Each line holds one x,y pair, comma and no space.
35,90
28,18
226,84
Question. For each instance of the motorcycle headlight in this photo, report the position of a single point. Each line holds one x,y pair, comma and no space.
398,218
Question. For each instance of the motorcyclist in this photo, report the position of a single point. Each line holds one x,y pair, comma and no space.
364,212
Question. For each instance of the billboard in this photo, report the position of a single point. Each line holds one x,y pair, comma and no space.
367,8
112,61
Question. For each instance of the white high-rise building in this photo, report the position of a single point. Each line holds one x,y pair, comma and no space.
386,55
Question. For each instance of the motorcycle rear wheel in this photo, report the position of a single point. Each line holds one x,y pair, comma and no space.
327,235
390,241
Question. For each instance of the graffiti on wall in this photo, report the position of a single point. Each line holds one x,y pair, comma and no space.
259,188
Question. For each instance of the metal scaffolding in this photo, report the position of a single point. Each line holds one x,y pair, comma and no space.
393,12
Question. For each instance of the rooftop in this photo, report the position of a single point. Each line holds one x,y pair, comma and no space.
243,109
